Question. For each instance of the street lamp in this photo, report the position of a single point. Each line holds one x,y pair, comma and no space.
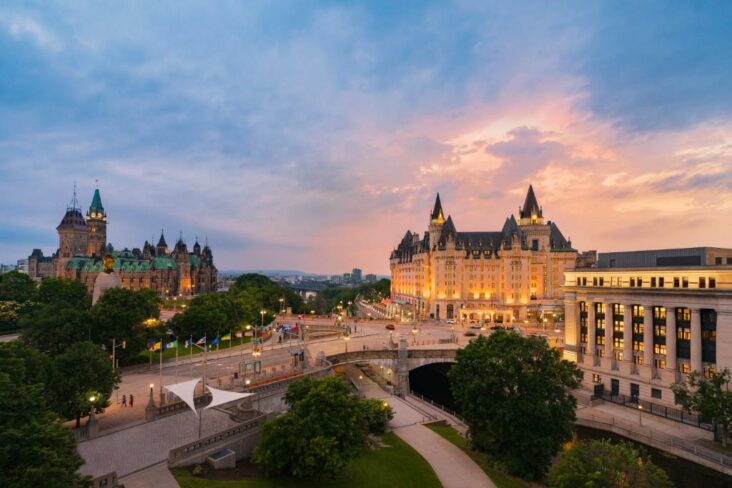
346,338
282,305
414,334
640,414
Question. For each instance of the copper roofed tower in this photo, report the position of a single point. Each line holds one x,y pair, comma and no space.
96,220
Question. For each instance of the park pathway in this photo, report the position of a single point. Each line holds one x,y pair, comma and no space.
453,467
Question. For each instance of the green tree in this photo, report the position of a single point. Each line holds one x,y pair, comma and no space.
35,448
53,328
323,430
602,463
120,314
266,294
62,291
376,413
82,371
210,314
17,287
514,394
708,397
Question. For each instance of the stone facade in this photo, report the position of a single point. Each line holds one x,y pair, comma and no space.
502,276
636,331
83,245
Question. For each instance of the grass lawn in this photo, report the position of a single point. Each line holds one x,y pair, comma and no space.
501,479
144,356
397,464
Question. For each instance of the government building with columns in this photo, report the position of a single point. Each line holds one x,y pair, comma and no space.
513,274
640,321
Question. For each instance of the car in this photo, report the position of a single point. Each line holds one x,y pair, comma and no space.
390,327
450,321
469,333
476,327
496,327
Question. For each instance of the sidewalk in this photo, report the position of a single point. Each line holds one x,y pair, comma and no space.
453,467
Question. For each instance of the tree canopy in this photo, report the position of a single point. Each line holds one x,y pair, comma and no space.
514,394
16,287
120,314
330,297
35,448
323,430
708,397
602,463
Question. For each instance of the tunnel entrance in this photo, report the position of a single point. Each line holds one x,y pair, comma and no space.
431,382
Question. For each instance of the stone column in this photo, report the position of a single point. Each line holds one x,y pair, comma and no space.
608,361
647,369
627,365
403,368
670,374
696,350
591,334
572,343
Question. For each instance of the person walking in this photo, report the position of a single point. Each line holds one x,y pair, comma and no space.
124,400
132,400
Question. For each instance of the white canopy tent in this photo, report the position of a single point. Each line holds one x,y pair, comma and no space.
186,390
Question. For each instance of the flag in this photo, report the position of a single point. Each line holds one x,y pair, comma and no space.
188,343
164,346
215,341
171,344
156,346
227,337
201,341
238,334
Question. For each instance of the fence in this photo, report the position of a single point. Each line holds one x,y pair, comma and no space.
450,412
670,413
650,437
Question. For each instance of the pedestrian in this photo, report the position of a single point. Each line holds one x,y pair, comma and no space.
132,399
124,400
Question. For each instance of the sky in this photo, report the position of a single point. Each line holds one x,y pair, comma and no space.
313,135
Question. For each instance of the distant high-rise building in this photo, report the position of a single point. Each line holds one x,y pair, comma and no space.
23,265
371,278
356,275
346,277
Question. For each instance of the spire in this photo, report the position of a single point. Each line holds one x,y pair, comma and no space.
531,209
161,242
96,204
437,215
74,203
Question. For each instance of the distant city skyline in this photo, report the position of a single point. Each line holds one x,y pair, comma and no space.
310,136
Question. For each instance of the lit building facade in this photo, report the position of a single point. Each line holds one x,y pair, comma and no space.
513,274
635,331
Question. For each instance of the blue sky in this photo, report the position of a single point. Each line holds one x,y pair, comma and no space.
311,135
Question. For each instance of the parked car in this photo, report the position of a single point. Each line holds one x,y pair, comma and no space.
469,333
496,327
450,321
476,327
390,327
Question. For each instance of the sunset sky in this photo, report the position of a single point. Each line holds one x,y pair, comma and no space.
312,135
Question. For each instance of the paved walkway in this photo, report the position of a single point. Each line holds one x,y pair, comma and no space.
139,447
157,476
453,467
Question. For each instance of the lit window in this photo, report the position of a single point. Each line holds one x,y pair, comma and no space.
596,378
702,282
684,368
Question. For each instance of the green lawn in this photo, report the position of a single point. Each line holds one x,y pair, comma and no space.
144,356
397,464
501,479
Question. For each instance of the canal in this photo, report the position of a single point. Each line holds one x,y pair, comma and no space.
431,382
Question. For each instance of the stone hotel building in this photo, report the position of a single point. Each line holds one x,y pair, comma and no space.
515,273
640,321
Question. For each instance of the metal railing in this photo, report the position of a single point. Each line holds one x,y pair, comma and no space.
670,413
649,436
438,406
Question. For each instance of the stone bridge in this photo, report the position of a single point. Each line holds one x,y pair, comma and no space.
397,363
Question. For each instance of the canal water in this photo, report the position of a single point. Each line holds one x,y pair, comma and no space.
431,382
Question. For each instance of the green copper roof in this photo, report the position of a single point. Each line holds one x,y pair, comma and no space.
194,261
164,262
77,262
97,202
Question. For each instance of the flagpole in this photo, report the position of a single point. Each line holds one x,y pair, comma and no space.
229,343
162,346
190,344
176,358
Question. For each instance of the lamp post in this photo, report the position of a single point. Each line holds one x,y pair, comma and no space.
640,414
282,305
414,334
346,338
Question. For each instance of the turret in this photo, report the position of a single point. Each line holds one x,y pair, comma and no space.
96,220
162,248
72,235
437,221
530,213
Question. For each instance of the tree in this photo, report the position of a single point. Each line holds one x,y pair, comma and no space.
35,448
602,463
707,397
376,413
16,287
120,314
62,291
210,314
82,371
514,394
324,429
266,294
53,328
